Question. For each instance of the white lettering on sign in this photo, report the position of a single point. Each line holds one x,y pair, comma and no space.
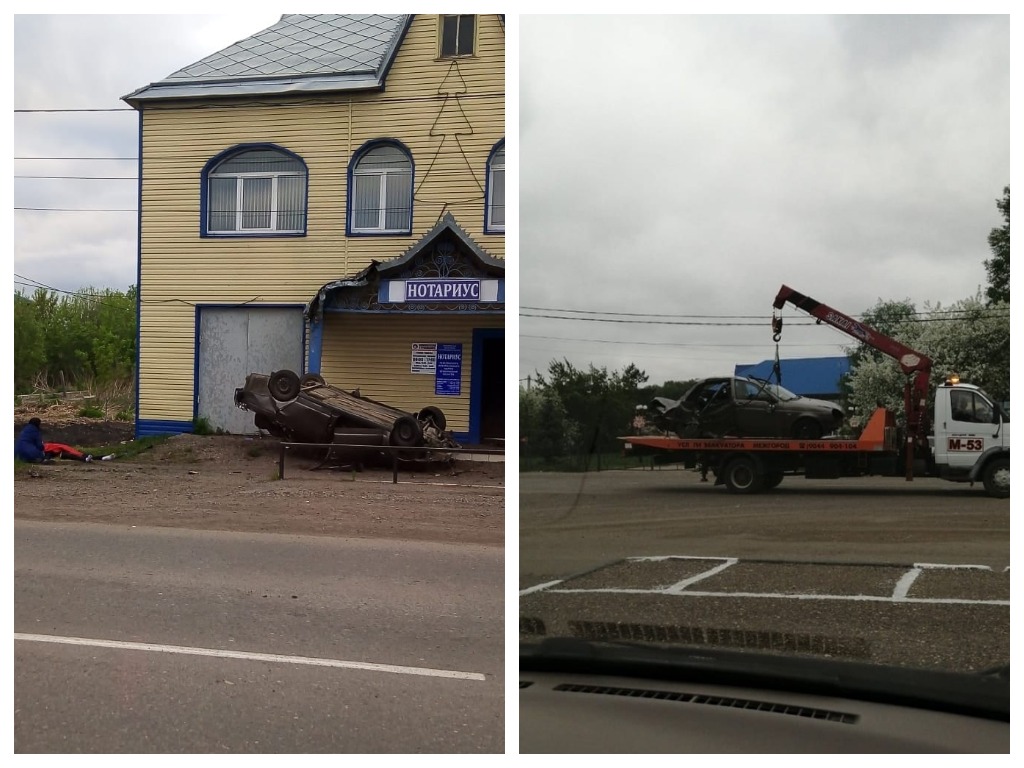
442,290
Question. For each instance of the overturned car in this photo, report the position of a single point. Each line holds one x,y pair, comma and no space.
307,409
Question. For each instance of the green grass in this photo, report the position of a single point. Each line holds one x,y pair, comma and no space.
201,426
91,412
129,450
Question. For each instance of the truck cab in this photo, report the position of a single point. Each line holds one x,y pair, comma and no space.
971,436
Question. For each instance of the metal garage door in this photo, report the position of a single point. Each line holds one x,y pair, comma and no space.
236,342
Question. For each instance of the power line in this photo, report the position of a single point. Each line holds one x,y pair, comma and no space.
26,157
661,315
93,178
104,109
657,343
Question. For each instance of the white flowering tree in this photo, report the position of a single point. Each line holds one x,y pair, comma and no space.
970,338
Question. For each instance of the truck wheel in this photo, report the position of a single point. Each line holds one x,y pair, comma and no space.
433,414
742,475
807,429
311,380
284,385
772,480
997,478
406,432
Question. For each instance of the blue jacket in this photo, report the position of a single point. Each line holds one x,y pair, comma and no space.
29,445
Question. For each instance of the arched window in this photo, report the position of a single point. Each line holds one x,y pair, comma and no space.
380,198
496,189
255,191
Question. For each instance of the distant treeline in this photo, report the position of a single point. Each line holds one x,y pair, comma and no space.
73,341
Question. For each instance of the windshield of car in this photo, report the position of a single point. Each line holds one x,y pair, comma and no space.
733,524
776,390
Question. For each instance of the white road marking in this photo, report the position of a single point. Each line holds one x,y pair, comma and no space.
680,589
271,657
785,596
682,585
538,587
905,583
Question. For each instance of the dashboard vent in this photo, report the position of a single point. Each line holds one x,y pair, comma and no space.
715,701
786,642
531,626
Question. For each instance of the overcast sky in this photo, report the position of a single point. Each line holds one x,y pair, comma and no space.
692,165
65,62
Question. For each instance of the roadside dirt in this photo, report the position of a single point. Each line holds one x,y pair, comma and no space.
231,483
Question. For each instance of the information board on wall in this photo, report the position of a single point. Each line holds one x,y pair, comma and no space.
424,357
448,380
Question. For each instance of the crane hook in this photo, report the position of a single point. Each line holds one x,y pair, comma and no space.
776,329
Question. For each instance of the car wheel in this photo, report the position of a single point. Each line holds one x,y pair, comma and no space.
284,385
997,478
311,380
434,415
807,429
406,432
742,475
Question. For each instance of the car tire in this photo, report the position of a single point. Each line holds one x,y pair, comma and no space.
311,380
406,432
284,385
996,478
434,415
807,429
743,475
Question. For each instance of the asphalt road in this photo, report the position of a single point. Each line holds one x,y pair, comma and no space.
876,569
254,643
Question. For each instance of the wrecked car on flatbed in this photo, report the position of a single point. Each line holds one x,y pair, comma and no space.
307,409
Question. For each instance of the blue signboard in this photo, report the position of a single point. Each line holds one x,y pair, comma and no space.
442,290
448,378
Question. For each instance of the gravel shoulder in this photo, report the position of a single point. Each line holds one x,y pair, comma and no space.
231,483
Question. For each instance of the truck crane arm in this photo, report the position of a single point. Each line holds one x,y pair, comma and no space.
910,360
914,364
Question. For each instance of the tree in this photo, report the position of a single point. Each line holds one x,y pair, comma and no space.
598,404
545,431
999,265
29,351
970,338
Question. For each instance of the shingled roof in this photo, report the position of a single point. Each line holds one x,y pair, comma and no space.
299,54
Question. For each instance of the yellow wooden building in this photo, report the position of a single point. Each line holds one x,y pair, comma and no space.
327,196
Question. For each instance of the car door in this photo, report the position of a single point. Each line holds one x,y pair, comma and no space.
755,410
971,428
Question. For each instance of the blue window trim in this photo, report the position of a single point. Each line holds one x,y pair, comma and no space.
353,162
488,229
204,193
138,285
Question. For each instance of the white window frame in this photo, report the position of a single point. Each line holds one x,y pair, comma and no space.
458,23
491,167
403,176
240,178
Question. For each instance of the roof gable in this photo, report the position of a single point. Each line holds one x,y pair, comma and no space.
300,53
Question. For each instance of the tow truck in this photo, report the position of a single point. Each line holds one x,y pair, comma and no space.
965,439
